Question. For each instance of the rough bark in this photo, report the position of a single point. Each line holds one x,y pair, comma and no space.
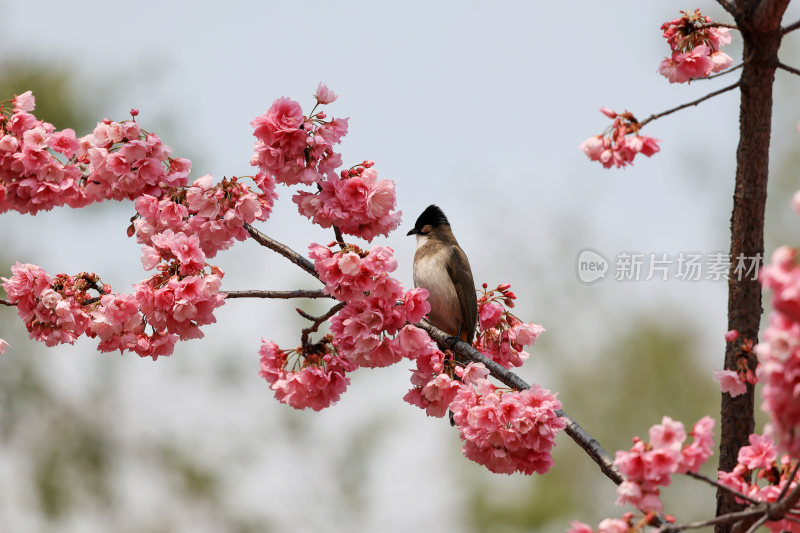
759,24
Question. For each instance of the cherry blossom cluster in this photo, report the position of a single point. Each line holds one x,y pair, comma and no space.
695,43
779,350
32,176
620,143
59,309
649,465
734,382
503,336
210,215
294,148
41,168
762,477
314,378
377,308
506,431
53,308
629,523
436,379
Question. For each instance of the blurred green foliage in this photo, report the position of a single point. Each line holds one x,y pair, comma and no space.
59,100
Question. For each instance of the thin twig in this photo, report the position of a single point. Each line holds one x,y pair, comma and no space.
787,68
575,431
317,322
689,104
339,239
3,301
781,507
718,74
719,485
717,25
282,249
785,488
790,27
721,519
284,295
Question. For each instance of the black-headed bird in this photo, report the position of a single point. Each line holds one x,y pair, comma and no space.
442,267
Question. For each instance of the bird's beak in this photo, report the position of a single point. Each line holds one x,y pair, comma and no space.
412,232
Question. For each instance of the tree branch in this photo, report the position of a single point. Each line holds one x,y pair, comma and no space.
788,482
689,104
781,507
284,295
718,74
758,523
3,301
790,27
787,68
719,485
575,431
317,322
282,249
722,519
338,234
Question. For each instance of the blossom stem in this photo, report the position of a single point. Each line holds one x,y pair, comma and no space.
688,104
339,239
284,295
717,25
282,249
575,431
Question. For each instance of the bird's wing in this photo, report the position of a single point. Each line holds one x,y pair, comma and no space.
458,269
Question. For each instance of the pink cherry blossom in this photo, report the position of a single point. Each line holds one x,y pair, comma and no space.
760,454
507,431
648,466
24,102
579,527
668,434
618,146
3,346
730,382
695,48
318,383
325,95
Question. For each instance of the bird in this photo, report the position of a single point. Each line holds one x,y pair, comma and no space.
442,267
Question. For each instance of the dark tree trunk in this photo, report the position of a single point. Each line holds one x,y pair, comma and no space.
759,24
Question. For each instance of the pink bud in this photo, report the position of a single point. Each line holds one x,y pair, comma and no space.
731,335
608,112
368,163
344,174
321,115
134,112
